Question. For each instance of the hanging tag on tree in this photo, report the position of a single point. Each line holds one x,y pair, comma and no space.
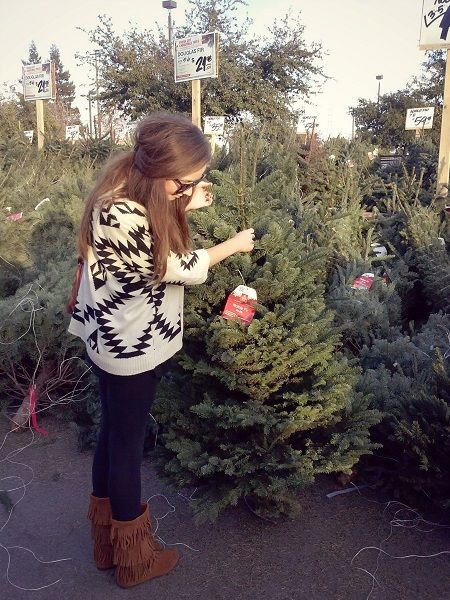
241,304
363,282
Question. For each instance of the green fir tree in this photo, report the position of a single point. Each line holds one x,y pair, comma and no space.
258,411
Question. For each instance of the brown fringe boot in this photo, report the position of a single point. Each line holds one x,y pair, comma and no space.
137,555
99,514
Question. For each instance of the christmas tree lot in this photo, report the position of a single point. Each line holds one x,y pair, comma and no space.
344,366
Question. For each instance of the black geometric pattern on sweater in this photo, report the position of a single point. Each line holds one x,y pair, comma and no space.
145,337
114,302
93,340
182,283
108,219
165,328
126,209
89,313
158,293
141,248
188,264
99,276
111,255
77,313
117,345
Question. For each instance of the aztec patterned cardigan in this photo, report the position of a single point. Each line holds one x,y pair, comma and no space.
129,324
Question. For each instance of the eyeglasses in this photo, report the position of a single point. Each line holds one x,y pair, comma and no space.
183,187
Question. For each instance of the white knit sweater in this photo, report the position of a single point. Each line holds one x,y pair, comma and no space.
129,324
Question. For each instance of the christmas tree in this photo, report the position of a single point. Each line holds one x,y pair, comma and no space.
257,411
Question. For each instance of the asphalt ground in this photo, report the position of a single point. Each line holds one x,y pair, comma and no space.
330,552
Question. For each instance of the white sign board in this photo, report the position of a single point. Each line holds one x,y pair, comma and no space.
435,29
72,132
39,81
196,57
419,118
214,125
29,135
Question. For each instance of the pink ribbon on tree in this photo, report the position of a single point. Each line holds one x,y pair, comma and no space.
32,393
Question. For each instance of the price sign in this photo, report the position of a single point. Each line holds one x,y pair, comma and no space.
196,57
419,118
434,32
214,125
39,81
72,132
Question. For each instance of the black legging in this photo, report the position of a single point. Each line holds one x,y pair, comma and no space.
116,469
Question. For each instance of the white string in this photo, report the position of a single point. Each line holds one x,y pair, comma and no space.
43,587
157,428
158,519
242,277
23,487
395,521
29,304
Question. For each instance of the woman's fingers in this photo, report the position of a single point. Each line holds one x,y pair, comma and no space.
203,184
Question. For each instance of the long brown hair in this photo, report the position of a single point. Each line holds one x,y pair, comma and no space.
166,147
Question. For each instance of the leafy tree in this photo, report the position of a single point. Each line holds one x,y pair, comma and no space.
383,123
431,82
261,76
65,94
33,55
65,87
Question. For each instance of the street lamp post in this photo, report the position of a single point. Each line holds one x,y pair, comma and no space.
170,4
379,78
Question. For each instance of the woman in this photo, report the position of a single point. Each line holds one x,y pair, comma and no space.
136,250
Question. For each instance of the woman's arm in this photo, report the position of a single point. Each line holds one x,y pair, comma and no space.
241,242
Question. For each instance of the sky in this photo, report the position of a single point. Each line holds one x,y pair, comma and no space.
361,38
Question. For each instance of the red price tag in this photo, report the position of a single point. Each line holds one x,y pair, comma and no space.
241,305
363,282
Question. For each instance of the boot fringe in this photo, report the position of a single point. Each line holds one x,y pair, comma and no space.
99,511
101,534
136,553
143,554
129,576
103,555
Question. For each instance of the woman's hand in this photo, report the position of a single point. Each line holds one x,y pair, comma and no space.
245,240
201,196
